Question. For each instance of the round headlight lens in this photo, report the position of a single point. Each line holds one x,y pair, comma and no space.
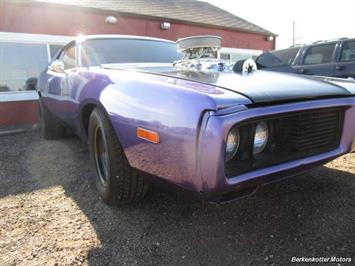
261,137
232,144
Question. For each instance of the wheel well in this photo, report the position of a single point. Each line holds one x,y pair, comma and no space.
85,115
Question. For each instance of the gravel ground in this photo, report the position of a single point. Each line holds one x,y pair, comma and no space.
50,214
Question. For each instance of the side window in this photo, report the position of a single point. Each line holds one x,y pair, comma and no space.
54,49
348,51
68,57
320,54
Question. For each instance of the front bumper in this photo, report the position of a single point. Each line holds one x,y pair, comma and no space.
214,182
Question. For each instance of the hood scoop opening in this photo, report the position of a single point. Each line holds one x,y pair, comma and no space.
200,54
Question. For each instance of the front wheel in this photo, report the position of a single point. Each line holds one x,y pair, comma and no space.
116,181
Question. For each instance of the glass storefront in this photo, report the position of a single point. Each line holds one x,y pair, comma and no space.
20,65
23,57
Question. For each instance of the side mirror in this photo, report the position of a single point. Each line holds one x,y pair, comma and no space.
57,66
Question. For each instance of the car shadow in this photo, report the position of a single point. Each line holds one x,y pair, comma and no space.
311,214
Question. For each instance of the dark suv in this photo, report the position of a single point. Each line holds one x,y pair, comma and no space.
330,58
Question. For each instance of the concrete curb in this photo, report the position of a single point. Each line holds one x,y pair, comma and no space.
18,129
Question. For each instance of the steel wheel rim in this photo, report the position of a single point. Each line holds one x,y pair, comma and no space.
101,156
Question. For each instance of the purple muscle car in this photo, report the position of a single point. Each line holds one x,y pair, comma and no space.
153,110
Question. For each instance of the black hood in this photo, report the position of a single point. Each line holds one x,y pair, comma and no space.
260,86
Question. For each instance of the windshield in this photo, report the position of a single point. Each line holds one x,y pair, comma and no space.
277,58
115,50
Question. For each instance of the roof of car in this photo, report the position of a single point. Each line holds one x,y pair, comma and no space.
321,42
198,12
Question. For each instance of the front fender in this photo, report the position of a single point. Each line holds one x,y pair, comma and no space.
175,109
174,114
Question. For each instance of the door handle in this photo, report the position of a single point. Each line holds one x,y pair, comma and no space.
340,67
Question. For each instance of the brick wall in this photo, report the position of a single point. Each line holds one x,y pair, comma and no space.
19,113
47,19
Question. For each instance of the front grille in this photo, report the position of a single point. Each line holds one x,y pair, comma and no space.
309,130
293,136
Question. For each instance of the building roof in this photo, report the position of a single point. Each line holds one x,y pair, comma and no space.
189,11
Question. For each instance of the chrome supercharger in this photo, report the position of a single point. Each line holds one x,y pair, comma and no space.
200,53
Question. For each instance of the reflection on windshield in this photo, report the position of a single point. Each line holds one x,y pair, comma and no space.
112,51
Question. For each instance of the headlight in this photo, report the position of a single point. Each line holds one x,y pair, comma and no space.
261,137
232,144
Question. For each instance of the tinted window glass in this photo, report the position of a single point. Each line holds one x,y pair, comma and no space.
109,51
348,51
20,65
54,49
278,58
68,57
319,54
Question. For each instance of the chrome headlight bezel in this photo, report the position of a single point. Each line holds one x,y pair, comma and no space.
261,137
232,143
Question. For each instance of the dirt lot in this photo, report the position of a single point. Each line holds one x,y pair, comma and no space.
50,214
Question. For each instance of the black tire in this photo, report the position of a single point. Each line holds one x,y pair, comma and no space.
116,181
50,126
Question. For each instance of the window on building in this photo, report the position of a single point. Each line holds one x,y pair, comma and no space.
20,65
348,51
320,54
23,57
225,56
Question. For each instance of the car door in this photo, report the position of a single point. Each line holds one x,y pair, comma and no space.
58,85
318,60
345,65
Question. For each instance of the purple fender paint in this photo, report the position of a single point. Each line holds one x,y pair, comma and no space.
193,113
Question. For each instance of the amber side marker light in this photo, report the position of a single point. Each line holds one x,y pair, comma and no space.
148,135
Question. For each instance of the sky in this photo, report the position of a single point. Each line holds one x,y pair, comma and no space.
314,19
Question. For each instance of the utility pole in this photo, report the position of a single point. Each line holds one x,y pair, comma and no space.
294,38
293,33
